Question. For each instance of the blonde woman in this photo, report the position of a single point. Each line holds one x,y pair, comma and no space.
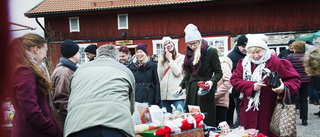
29,89
146,77
200,62
170,75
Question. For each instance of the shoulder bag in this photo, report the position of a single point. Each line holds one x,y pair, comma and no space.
283,121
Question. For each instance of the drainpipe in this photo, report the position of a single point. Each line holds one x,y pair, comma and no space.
41,26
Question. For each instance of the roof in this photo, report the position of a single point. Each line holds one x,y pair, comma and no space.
62,6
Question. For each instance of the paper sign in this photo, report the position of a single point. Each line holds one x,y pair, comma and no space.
194,109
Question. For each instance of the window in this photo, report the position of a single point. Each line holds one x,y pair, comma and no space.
123,21
223,40
158,48
83,56
278,48
74,24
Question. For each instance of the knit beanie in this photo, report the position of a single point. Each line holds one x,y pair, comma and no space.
291,41
242,40
92,48
142,46
165,39
257,40
68,48
192,33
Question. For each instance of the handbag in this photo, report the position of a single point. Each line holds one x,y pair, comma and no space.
283,121
274,80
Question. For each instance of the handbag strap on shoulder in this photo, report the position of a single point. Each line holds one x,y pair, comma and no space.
286,91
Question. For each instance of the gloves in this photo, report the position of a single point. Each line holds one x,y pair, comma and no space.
204,87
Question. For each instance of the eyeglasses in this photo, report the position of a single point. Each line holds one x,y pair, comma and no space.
192,43
87,53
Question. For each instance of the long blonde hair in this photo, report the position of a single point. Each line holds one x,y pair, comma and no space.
19,47
197,53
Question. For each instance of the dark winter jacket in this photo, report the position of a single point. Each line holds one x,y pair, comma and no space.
235,55
209,64
297,63
315,82
283,54
147,83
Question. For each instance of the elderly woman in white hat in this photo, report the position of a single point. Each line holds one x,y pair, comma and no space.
258,99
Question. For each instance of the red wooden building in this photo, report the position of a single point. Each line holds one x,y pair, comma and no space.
146,21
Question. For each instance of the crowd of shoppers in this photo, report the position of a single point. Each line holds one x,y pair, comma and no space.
77,95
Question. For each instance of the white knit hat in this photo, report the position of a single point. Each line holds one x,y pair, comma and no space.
257,40
192,33
165,39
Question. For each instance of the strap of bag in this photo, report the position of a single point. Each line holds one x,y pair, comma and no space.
166,71
168,68
291,57
286,91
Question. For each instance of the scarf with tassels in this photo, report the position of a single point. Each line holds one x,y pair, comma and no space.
255,76
190,57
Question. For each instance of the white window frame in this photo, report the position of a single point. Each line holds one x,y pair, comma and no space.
277,48
223,38
78,24
82,47
127,24
156,42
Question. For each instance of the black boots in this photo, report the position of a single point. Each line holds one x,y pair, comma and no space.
304,122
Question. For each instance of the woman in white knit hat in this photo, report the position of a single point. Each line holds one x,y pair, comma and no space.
258,99
170,75
200,62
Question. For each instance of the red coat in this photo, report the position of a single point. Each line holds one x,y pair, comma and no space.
261,119
32,116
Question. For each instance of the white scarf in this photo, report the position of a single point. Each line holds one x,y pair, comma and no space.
256,76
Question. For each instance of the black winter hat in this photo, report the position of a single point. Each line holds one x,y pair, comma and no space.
68,48
291,41
92,48
242,40
142,47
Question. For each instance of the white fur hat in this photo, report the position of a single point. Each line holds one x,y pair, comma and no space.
165,39
257,40
192,33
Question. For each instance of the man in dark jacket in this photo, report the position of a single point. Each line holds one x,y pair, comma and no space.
283,54
238,52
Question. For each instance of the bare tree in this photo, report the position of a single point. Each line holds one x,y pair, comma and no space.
54,38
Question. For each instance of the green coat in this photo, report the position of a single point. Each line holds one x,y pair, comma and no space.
210,64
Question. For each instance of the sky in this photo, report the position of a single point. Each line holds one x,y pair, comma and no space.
17,8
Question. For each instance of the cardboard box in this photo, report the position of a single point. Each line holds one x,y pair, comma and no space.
197,132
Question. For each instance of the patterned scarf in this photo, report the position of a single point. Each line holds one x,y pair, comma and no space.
190,56
46,73
256,76
35,61
141,65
